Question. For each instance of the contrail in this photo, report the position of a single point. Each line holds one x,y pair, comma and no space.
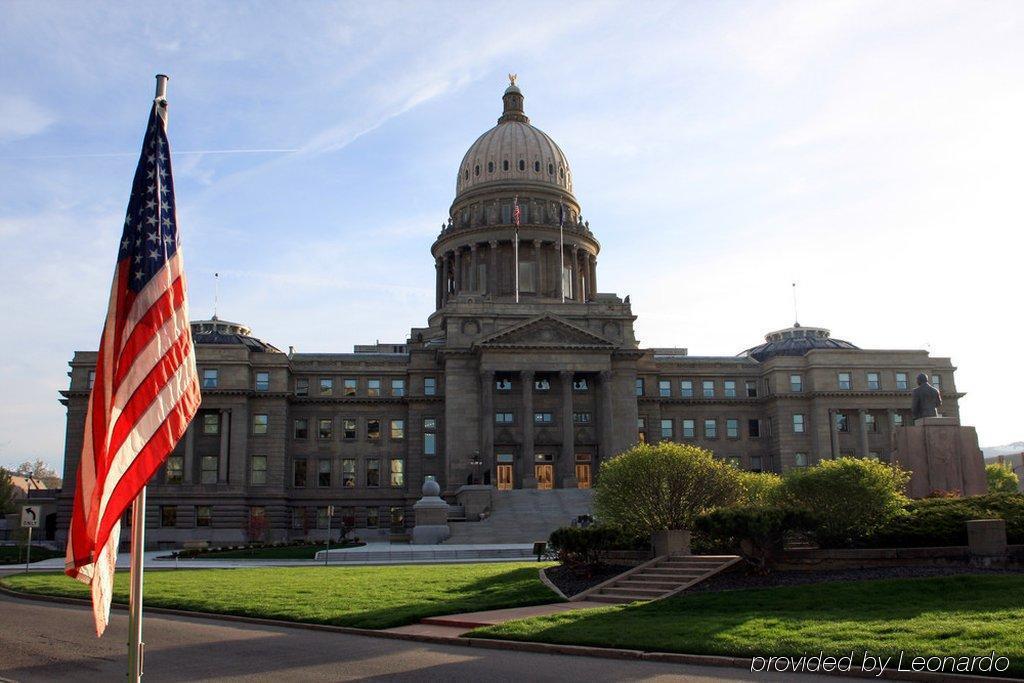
176,153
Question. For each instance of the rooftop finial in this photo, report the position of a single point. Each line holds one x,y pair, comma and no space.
512,79
216,293
513,99
796,316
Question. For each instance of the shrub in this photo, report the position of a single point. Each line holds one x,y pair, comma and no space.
760,488
581,549
757,532
1001,478
942,521
665,486
850,498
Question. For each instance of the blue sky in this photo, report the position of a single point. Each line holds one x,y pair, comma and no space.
869,150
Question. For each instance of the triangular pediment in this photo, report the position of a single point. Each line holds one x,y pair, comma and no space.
545,332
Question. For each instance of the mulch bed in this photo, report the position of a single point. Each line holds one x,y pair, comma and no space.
740,579
571,583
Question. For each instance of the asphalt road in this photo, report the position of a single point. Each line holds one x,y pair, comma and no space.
41,641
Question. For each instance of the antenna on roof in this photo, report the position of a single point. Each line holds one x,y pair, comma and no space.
796,316
216,293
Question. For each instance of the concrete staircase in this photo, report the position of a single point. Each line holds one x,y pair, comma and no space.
523,516
660,578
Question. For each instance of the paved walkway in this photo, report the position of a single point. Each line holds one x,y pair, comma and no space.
454,625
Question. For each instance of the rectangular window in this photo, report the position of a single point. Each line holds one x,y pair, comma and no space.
901,380
686,388
937,381
580,384
581,418
664,388
542,418
373,472
429,386
666,429
639,386
711,429
204,515
350,387
322,513
844,381
302,386
398,387
869,422
372,518
173,469
542,384
503,384
709,388
755,463
874,384
429,436
897,419
730,388
373,430
325,428
262,381
298,518
397,518
842,424
299,473
211,378
397,473
168,516
526,283
348,473
326,386
259,423
258,470
800,459
689,429
348,428
209,467
504,418
397,429
211,423
798,423
641,430
796,383
754,428
751,389
92,379
301,430
373,387
323,473
732,428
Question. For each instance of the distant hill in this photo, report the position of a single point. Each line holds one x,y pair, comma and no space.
992,452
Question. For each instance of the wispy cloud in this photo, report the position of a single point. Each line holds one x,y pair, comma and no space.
20,117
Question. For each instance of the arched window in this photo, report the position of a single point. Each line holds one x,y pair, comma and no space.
504,165
476,171
522,165
536,166
466,175
561,172
490,167
551,169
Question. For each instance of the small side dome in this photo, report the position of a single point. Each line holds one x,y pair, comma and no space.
224,332
795,341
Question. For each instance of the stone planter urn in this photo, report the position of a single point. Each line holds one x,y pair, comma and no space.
671,541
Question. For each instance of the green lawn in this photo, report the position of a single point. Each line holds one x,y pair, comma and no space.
958,615
10,554
367,597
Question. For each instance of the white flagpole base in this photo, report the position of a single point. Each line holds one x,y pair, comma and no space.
135,644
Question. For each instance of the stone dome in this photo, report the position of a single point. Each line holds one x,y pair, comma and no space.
514,152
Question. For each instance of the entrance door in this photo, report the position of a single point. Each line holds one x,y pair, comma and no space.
545,476
583,475
504,477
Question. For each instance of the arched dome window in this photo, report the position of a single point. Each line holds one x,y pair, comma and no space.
466,176
504,165
536,167
522,165
490,167
561,172
551,169
476,171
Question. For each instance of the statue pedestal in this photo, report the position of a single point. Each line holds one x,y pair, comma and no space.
431,516
941,455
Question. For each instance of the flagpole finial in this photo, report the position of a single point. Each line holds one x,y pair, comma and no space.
161,86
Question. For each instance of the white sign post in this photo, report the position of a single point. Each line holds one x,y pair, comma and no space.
30,515
327,553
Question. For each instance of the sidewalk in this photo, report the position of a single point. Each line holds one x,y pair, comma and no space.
454,625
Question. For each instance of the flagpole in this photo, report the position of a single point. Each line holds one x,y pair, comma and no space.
136,646
515,220
561,248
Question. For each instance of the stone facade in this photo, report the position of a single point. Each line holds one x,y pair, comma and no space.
528,386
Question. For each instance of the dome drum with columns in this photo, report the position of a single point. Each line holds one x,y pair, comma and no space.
515,162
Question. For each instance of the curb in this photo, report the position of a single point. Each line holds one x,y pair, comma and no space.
513,645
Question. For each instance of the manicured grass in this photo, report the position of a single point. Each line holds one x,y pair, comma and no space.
959,615
10,554
367,597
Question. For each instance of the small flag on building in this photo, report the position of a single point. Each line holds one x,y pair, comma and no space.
146,389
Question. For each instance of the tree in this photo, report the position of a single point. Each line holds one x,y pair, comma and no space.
760,488
850,498
660,487
6,492
1001,478
39,471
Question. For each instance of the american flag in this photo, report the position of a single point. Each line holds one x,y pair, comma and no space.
146,387
516,213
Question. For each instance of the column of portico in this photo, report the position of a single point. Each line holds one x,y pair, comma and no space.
222,459
492,271
439,294
446,269
473,284
567,464
526,474
190,452
865,448
458,270
487,421
574,276
592,280
833,432
606,417
538,279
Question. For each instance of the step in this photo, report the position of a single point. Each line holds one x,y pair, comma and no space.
618,597
673,573
626,590
631,582
673,561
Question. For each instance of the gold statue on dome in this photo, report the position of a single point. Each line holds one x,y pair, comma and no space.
512,79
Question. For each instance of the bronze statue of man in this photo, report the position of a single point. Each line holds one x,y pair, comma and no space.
926,399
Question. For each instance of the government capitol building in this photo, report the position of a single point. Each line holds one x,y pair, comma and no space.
503,389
